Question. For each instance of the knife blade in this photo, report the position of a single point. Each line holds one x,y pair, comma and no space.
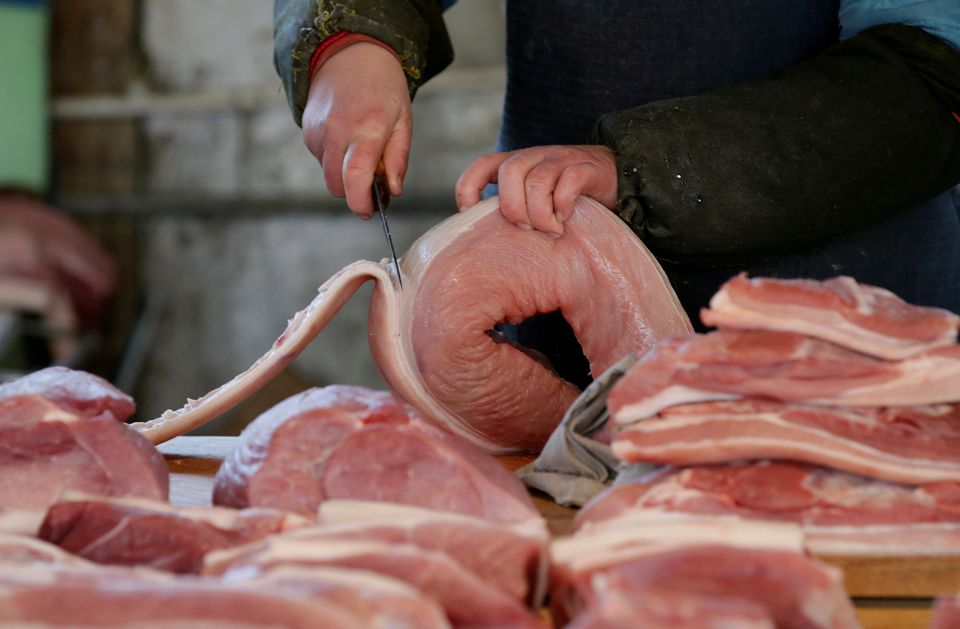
381,199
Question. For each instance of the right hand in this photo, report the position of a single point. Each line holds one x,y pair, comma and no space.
358,109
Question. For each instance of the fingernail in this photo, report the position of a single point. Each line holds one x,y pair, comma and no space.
525,226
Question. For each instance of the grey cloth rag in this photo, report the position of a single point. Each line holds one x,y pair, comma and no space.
573,467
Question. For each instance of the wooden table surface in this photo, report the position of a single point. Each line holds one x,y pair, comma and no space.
889,592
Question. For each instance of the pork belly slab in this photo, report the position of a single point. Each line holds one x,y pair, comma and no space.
511,557
746,564
467,599
149,533
864,318
350,442
911,445
46,449
728,364
433,340
840,513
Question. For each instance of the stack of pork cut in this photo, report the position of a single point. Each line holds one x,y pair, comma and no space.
339,508
857,389
820,417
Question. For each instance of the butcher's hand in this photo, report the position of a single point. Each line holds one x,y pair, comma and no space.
358,109
538,185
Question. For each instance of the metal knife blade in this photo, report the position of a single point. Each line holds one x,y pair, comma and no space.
381,199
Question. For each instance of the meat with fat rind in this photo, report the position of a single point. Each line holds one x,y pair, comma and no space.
912,444
351,442
864,318
149,533
841,513
460,279
78,391
757,563
46,449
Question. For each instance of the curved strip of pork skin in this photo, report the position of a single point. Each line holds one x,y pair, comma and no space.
463,277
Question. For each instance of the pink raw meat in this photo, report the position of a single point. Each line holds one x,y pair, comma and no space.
138,532
911,445
467,599
77,391
745,562
841,514
350,442
783,366
510,557
46,449
863,318
460,279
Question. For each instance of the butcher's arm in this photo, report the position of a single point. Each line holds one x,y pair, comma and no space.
414,29
867,128
350,70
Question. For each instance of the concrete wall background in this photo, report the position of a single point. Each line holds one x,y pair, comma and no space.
235,227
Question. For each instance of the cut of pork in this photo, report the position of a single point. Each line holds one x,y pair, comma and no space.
864,318
467,599
912,445
727,364
663,608
21,549
463,277
46,450
78,391
746,562
841,514
350,442
149,533
510,557
946,613
58,596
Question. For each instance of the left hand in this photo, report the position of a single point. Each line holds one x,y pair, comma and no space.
538,185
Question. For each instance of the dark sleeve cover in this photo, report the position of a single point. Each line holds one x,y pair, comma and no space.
413,28
832,144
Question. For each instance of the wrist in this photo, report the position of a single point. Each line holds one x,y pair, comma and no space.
340,41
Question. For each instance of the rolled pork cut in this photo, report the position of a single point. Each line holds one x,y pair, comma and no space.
433,340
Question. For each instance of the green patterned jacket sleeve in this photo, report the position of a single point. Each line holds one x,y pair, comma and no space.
413,28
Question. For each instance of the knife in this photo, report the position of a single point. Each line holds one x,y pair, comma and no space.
381,199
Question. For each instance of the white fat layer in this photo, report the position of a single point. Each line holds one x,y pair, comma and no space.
56,414
337,512
288,549
636,534
347,577
670,396
885,540
21,521
820,323
853,455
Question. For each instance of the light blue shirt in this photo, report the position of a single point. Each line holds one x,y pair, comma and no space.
937,17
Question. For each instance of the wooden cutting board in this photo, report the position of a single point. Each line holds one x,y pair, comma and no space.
889,592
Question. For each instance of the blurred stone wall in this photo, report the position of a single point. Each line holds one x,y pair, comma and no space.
169,116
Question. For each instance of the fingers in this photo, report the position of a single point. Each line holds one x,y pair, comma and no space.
359,164
478,174
570,185
396,156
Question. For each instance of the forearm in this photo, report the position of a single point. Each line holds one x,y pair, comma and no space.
834,143
414,29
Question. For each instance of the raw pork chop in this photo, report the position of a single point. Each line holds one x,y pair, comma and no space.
471,272
350,442
467,599
46,449
841,514
78,391
782,366
138,532
743,562
913,445
510,557
864,318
